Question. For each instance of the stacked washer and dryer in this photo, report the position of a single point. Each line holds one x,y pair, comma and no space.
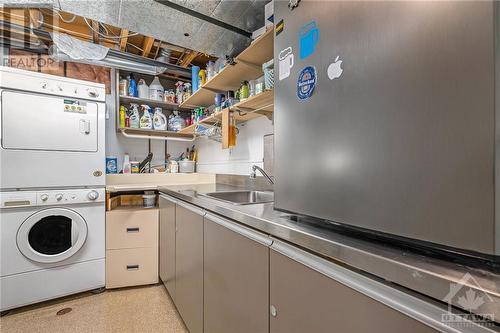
52,198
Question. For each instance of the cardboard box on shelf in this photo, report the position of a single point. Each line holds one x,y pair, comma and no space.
269,14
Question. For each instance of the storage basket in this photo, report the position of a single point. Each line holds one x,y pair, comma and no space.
268,69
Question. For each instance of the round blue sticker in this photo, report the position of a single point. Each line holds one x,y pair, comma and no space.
306,82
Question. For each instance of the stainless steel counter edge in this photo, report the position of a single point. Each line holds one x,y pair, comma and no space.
425,275
414,307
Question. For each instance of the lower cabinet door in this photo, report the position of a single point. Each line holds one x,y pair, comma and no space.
236,278
304,300
189,266
167,244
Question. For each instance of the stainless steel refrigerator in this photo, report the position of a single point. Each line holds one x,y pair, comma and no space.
386,118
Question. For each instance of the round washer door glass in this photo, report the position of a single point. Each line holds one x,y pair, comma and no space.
52,235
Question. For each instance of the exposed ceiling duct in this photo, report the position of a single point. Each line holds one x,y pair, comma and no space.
172,25
113,58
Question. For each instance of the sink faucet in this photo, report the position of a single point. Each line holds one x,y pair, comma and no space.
253,174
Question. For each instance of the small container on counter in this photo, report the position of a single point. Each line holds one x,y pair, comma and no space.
111,164
134,166
174,167
187,166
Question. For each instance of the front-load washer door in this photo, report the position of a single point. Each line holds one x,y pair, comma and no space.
52,235
48,123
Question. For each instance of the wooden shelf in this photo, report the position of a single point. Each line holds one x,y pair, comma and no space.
248,66
260,51
245,110
262,102
153,103
154,133
201,97
213,118
231,76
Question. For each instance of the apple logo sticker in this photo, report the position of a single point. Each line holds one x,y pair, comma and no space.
334,69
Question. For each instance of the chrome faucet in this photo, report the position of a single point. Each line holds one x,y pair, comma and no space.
253,174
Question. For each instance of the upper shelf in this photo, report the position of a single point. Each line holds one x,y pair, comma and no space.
260,51
153,103
248,66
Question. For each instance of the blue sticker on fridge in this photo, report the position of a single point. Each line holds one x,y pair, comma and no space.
308,39
306,82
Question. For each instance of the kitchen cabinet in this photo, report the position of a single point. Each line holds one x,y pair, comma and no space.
167,243
304,300
236,278
189,265
131,242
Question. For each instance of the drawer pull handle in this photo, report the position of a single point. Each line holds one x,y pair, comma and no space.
132,267
132,229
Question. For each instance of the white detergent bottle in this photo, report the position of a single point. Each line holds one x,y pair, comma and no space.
134,115
159,120
146,119
156,90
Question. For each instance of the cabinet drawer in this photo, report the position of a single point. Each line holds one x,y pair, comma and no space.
131,267
131,228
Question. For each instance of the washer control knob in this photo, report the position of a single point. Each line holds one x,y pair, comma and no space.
93,195
44,197
59,196
93,93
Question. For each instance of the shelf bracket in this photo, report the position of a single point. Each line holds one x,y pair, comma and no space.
244,111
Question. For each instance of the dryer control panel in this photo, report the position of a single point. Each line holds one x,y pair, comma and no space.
50,197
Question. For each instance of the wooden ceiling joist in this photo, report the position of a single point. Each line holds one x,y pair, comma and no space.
188,58
147,45
123,39
95,28
36,17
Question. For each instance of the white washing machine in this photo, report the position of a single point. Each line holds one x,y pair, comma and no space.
52,244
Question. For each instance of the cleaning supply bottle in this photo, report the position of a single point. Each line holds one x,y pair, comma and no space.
142,89
159,120
132,87
195,80
134,115
122,115
146,121
126,164
156,90
179,92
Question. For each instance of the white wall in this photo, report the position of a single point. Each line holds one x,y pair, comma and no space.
212,158
249,150
118,145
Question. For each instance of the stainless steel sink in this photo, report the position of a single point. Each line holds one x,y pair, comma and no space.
242,197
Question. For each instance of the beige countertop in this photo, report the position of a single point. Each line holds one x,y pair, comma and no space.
151,181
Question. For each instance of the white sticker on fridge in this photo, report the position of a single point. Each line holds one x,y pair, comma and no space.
285,62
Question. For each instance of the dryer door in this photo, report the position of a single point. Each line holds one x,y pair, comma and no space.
52,235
